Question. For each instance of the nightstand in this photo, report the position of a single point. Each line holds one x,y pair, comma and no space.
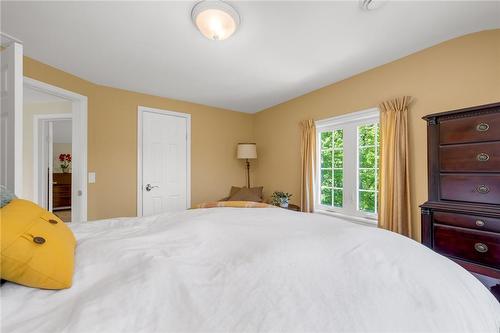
292,207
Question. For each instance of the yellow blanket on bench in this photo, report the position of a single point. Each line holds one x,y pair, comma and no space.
234,204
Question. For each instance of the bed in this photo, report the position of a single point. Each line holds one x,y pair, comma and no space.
252,270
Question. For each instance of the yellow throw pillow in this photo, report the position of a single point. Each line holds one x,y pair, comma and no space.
38,249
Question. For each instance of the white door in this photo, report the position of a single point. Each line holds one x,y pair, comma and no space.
11,95
50,165
43,167
164,183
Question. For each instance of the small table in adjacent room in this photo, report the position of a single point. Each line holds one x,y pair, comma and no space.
61,196
292,207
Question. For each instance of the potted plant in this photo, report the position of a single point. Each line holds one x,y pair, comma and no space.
64,162
280,199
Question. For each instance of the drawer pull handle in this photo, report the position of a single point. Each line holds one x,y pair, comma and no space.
483,189
480,223
482,127
482,157
481,247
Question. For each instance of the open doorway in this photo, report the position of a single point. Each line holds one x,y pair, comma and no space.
54,163
55,150
61,169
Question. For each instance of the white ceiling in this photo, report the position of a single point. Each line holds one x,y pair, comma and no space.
283,49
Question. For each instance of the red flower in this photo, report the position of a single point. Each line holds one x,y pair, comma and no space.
62,157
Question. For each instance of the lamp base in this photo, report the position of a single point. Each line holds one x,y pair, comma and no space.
248,173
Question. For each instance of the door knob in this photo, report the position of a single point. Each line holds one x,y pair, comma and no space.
149,187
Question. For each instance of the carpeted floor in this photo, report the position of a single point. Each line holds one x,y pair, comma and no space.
64,215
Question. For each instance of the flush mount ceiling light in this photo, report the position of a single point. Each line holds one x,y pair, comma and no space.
371,4
215,19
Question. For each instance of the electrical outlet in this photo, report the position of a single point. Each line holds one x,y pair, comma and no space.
91,177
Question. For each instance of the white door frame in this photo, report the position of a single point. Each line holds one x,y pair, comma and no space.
140,111
79,146
39,146
12,167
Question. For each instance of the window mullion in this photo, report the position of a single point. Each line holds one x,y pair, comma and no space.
350,168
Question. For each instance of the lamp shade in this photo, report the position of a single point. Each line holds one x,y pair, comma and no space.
247,150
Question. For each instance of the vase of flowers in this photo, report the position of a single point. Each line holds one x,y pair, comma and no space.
64,162
280,199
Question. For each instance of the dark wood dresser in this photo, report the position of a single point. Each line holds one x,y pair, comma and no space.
61,191
461,219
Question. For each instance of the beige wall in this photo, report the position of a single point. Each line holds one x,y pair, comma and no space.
112,142
29,110
458,73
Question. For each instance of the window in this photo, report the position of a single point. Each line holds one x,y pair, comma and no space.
368,155
348,173
332,169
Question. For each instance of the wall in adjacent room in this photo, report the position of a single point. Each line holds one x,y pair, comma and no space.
112,142
458,73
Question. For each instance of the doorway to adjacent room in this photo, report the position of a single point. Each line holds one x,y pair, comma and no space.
55,150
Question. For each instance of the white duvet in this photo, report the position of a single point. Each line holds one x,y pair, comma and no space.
252,270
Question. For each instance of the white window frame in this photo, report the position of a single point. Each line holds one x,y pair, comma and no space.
349,124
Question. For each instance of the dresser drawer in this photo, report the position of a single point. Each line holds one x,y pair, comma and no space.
58,202
483,188
61,195
62,190
61,178
477,246
472,157
470,129
467,221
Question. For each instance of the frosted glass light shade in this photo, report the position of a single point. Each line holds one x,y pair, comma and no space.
247,151
215,19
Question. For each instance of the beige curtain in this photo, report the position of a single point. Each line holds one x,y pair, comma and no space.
308,165
394,199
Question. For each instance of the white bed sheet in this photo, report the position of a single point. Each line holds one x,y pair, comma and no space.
252,270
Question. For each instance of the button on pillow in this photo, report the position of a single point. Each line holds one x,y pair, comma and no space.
38,249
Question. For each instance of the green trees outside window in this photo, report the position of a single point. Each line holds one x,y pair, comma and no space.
368,160
332,168
364,186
